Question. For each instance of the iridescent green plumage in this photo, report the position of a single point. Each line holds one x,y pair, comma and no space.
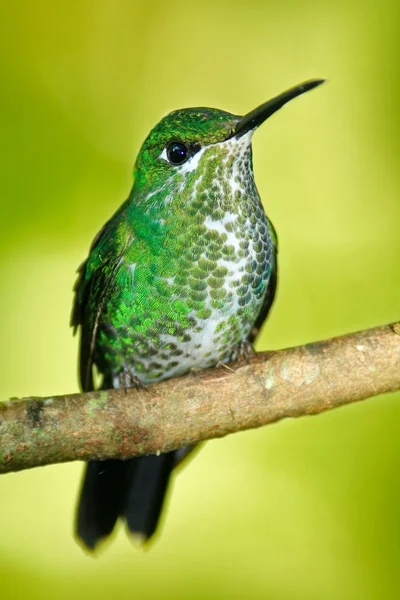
185,271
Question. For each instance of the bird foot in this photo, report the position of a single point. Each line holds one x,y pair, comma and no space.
243,351
128,380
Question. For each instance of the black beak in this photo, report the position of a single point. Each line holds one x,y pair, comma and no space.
257,116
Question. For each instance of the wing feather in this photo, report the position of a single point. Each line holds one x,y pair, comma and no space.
91,290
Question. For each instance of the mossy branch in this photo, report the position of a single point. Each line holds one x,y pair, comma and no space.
116,424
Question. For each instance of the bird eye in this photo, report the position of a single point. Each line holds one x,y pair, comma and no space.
177,153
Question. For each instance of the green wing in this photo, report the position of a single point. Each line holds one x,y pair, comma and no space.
92,288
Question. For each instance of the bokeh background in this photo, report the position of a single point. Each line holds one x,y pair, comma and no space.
306,509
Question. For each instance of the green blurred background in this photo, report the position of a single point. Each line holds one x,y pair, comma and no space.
307,509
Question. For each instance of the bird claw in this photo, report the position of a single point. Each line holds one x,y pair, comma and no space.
243,351
128,380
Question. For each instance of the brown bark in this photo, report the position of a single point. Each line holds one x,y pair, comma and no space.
113,424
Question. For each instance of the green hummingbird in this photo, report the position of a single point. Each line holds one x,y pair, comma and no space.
182,277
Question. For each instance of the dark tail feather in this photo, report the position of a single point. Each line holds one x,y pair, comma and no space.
146,492
133,489
101,500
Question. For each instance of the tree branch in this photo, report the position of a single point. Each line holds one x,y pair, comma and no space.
113,424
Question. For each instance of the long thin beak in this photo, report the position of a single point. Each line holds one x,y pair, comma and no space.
257,116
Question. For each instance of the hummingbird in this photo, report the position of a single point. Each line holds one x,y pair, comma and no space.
181,278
